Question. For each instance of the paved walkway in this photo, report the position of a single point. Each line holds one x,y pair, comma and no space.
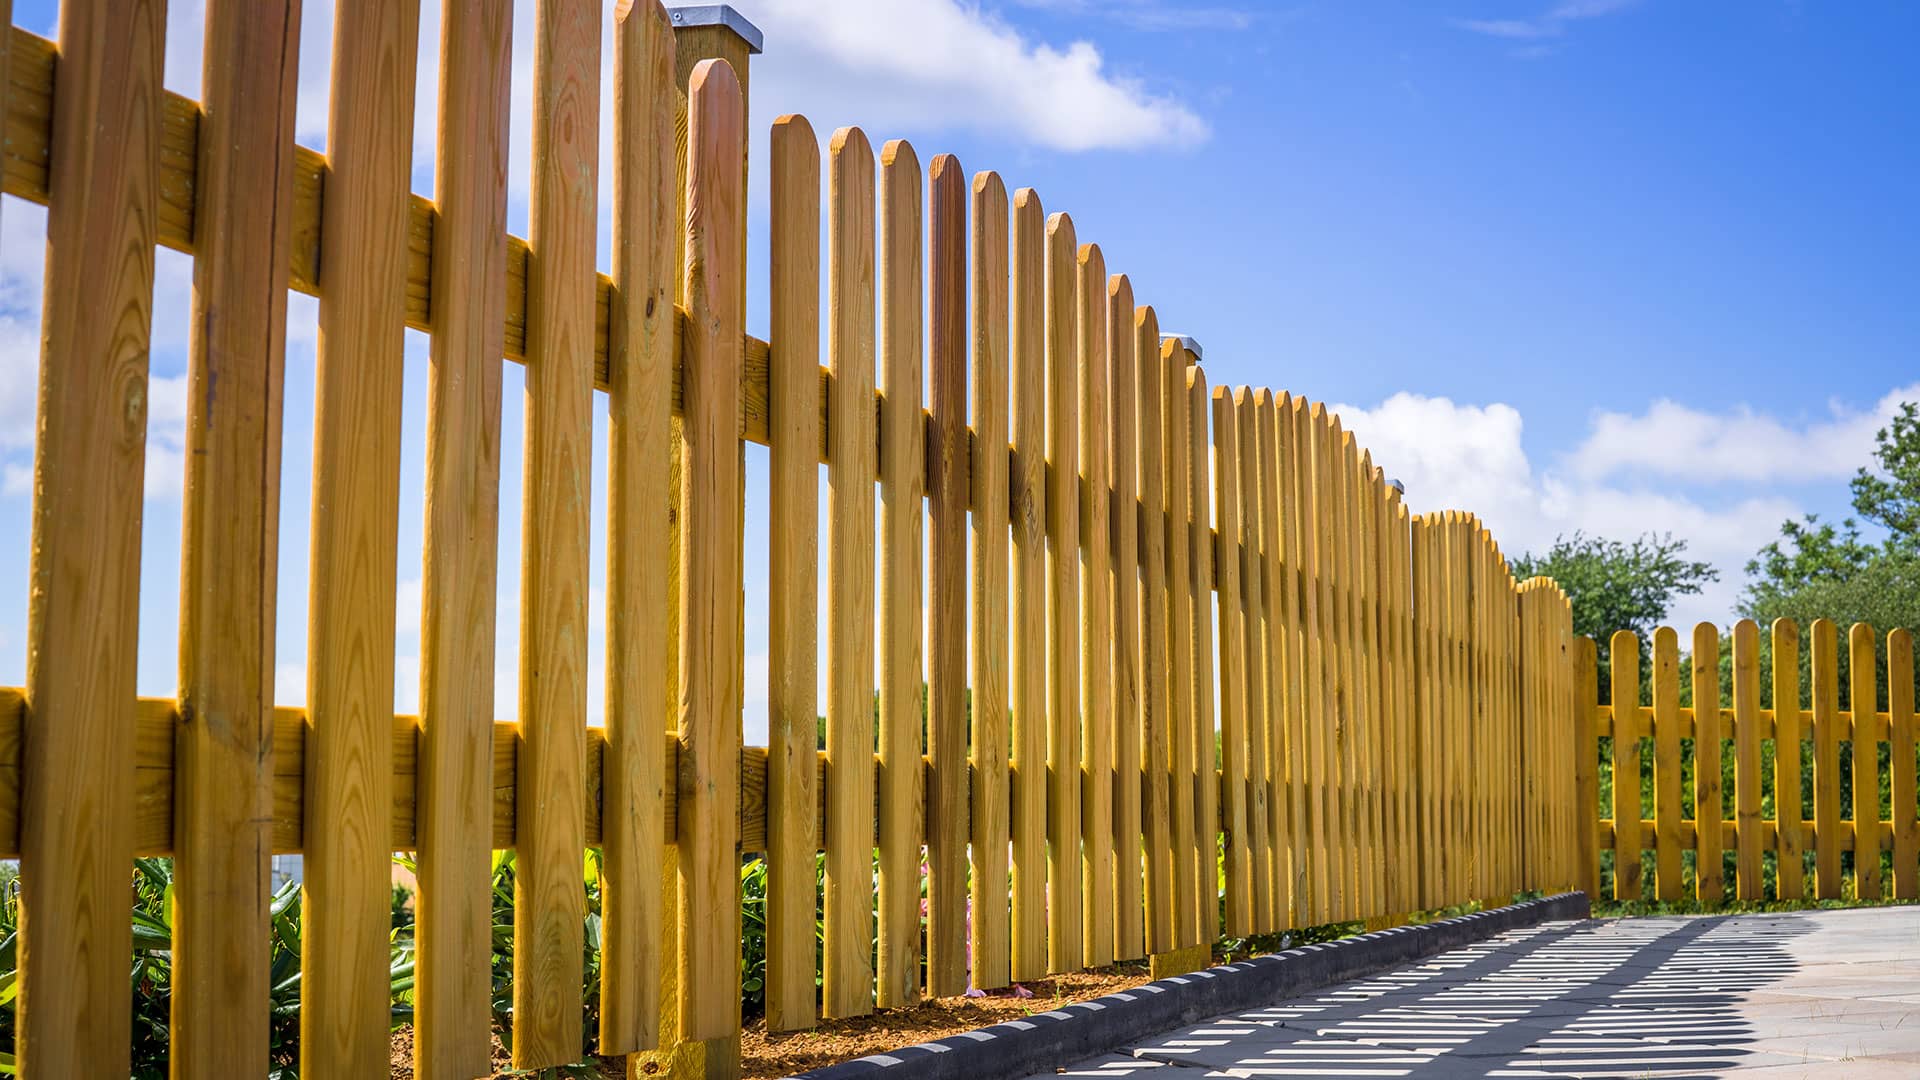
1818,994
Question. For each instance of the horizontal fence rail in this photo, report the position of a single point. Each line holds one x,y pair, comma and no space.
1747,780
1170,661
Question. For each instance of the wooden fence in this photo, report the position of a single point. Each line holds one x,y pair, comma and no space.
1760,788
1162,623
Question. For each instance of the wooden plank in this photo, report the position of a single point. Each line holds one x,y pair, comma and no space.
1787,735
1201,654
1273,565
710,563
1156,736
1367,711
947,486
1028,477
1746,760
793,593
1129,924
1826,759
1586,772
1862,701
1064,899
453,1015
356,457
1423,746
1351,814
1666,762
224,758
1255,669
1900,741
1292,673
903,471
847,971
1184,741
1096,614
1624,659
1396,731
989,745
549,905
1709,885
1310,425
1233,662
77,768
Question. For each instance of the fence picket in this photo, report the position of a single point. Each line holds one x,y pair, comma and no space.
1316,716
1233,660
347,901
1666,762
1274,567
847,966
710,632
1293,680
1900,740
77,763
793,525
1064,897
1156,737
1826,760
1253,657
1787,736
988,745
1862,701
1181,602
1201,565
1029,511
223,755
1586,775
903,473
1096,614
1129,927
1748,837
1624,693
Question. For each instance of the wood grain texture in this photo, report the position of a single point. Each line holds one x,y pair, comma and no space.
847,967
1253,658
946,608
1096,612
1183,740
1340,765
1624,658
793,574
1064,896
356,473
549,904
1900,741
1707,811
989,746
454,909
1156,736
1201,651
710,561
1746,761
1788,732
903,449
1028,483
89,459
1294,687
1862,702
230,512
1123,545
1233,666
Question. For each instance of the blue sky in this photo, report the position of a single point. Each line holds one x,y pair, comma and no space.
1596,265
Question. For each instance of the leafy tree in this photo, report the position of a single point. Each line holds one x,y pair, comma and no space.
1618,586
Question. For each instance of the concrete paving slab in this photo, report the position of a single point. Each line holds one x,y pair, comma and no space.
1775,995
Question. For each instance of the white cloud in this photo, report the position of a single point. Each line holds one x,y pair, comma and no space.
166,435
16,479
1551,23
1670,439
932,65
1472,457
1152,15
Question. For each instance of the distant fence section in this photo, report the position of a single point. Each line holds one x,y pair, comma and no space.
1190,666
1759,786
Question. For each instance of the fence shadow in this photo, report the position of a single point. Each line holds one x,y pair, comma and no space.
1629,997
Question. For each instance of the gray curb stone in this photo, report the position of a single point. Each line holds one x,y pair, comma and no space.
1045,1041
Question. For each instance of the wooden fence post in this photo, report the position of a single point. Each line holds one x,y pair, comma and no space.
1028,479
